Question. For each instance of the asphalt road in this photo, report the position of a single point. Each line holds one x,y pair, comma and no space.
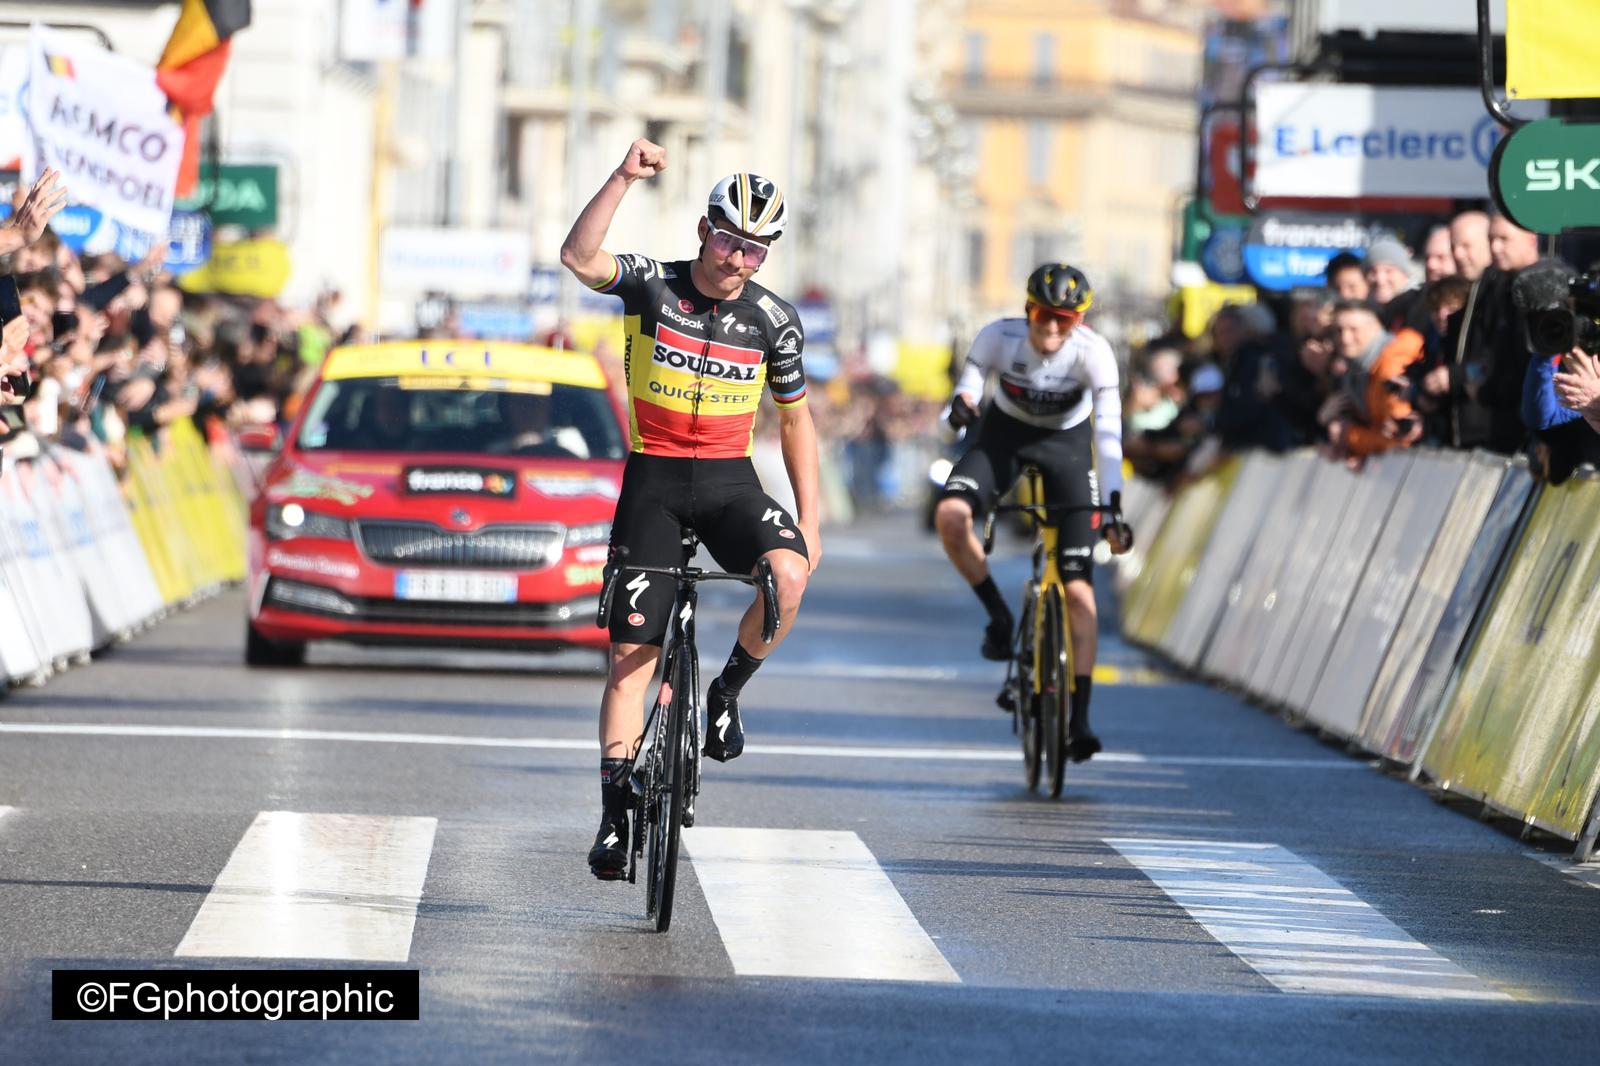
869,882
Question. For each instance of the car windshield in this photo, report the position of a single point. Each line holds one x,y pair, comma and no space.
520,418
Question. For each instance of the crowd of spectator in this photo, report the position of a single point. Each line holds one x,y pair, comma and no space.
1398,349
105,348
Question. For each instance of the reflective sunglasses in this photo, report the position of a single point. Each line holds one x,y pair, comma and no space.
725,244
1061,316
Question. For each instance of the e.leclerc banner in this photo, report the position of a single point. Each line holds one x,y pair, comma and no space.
1347,141
100,119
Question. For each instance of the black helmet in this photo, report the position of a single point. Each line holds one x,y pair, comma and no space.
1060,286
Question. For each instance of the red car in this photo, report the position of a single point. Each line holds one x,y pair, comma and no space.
438,494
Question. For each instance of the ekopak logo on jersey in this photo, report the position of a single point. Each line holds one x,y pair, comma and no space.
703,365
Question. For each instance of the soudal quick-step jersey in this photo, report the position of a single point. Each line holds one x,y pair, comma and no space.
696,365
1054,392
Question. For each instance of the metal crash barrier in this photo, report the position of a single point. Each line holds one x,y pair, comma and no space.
86,560
1433,608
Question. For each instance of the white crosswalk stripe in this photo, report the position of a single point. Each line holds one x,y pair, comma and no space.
317,886
809,903
1295,925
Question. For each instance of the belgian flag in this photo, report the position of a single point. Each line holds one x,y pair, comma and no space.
192,65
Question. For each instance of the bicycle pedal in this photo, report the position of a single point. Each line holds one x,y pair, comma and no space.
1006,700
688,815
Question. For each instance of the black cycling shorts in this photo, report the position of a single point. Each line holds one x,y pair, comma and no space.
1002,446
720,500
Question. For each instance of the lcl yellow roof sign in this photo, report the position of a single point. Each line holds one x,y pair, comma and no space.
470,359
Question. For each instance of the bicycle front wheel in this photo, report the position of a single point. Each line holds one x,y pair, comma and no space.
1055,689
1026,700
677,764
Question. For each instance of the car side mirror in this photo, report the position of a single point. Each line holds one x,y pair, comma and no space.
264,438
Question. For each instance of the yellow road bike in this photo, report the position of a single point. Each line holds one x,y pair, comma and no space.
1039,676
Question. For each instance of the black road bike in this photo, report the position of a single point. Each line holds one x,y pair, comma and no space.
665,777
1039,677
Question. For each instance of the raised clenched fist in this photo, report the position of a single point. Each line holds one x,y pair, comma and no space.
645,159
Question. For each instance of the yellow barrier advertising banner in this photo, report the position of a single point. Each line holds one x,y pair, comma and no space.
1174,556
1519,705
1550,52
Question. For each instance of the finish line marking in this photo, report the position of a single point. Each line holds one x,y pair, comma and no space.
809,903
316,886
821,751
1295,925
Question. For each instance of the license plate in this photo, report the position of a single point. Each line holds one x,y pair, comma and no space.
455,587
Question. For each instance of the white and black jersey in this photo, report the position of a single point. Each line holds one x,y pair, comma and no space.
1051,392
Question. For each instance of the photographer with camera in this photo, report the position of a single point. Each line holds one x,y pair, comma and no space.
1561,389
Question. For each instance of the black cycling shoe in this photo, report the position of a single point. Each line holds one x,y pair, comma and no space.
724,732
608,859
1081,747
997,640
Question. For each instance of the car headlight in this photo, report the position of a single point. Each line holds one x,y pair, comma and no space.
594,533
286,520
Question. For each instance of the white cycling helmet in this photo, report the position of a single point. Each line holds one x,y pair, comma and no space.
750,202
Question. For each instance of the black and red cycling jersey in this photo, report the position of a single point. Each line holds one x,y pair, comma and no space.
696,365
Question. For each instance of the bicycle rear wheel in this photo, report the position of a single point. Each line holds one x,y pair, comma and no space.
1055,690
1025,700
677,766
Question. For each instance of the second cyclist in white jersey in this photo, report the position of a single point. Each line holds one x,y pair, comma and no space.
1056,406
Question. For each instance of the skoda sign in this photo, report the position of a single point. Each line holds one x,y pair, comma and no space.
1546,176
1284,252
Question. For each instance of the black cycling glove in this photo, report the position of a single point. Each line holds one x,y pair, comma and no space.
962,414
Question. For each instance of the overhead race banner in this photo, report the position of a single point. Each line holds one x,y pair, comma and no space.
1345,141
1546,175
100,119
1545,58
1368,17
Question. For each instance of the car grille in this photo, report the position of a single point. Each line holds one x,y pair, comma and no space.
493,547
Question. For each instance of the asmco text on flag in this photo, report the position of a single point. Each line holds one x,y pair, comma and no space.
100,119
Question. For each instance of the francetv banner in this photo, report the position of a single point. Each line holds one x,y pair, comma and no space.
100,119
1344,141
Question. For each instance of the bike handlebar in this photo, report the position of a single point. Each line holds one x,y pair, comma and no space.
763,579
1043,512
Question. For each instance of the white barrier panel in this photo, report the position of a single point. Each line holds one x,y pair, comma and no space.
1249,613
37,581
1144,506
1258,483
62,601
1332,485
113,530
108,607
1413,717
21,649
1391,577
1365,514
1476,488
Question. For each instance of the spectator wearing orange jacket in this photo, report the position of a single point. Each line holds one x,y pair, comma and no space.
1391,419
1391,422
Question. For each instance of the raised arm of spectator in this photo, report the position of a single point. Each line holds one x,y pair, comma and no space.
38,207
